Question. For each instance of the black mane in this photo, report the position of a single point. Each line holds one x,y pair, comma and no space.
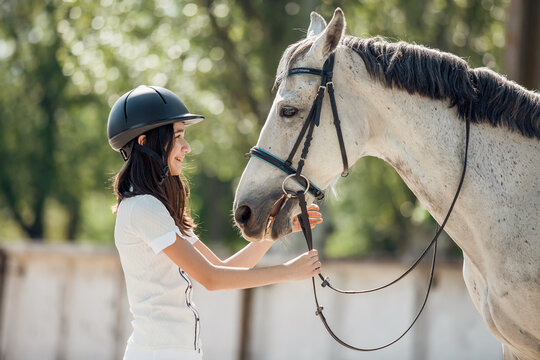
481,95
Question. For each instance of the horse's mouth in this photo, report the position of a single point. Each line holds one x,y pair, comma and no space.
278,205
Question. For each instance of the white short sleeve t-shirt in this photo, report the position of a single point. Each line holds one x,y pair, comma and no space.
163,325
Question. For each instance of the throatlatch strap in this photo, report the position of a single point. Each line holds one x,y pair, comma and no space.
337,125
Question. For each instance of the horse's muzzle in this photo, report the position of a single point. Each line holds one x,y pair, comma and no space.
260,220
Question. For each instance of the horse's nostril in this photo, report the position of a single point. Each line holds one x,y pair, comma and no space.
242,214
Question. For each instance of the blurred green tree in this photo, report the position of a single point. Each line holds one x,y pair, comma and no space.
31,96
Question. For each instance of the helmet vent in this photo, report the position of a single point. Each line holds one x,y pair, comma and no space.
125,104
161,96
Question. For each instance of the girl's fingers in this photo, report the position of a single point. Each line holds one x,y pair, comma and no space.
315,217
314,222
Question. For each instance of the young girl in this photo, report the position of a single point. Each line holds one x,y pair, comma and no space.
154,232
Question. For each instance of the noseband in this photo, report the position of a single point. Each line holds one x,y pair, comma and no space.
312,120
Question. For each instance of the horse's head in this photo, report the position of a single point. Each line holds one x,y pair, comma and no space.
261,184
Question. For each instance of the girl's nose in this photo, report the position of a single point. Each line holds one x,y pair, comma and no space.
186,149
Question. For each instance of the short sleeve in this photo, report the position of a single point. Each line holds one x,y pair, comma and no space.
191,237
152,221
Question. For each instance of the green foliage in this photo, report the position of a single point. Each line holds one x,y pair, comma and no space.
64,63
374,190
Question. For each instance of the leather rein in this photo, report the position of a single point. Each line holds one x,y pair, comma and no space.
306,133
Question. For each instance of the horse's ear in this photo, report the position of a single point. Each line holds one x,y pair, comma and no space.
329,39
317,24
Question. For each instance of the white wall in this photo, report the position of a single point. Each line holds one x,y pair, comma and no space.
69,302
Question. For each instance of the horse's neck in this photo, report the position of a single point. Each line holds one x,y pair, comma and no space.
424,141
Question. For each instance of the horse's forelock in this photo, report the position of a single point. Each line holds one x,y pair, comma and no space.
292,52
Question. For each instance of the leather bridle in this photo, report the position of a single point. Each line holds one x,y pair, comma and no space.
311,121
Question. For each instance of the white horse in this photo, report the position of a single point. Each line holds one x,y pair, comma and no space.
405,104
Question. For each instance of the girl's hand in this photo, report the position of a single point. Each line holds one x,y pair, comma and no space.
304,266
315,217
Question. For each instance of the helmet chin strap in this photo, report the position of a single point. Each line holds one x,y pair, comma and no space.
163,165
127,150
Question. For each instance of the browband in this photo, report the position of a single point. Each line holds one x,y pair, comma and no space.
309,71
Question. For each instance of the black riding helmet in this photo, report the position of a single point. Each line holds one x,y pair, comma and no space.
140,110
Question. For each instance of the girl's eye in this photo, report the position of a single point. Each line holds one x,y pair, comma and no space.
288,111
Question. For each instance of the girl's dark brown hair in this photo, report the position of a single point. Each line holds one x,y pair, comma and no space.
141,175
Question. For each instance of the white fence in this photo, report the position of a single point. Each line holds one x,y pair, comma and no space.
69,302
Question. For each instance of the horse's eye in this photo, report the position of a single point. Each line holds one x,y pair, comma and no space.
288,111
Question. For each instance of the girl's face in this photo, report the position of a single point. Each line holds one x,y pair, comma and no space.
179,150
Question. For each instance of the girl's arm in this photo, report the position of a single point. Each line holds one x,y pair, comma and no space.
250,255
213,277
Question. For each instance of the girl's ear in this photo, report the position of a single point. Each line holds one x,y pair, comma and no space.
141,139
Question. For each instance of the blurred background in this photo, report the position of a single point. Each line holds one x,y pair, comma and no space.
64,63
